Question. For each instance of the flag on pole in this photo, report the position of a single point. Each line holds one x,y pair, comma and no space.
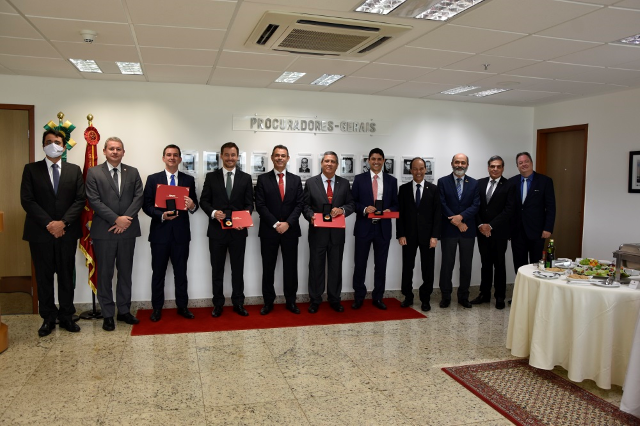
92,137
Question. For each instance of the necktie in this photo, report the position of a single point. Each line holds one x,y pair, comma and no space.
524,190
56,177
229,184
281,185
329,191
374,186
418,195
173,180
459,187
115,179
490,193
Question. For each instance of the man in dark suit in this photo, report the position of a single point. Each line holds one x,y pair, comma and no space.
114,191
279,203
418,227
496,207
170,233
227,189
460,202
52,195
326,244
372,231
534,214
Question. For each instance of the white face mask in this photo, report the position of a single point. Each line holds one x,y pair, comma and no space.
52,150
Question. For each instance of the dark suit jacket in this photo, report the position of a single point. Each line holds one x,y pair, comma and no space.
214,197
467,206
108,205
43,205
500,208
272,208
362,192
175,230
315,197
538,213
419,225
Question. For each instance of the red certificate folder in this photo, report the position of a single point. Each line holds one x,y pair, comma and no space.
384,215
336,222
241,219
163,192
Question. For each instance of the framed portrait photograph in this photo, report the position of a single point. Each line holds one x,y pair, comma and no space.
303,166
258,164
389,165
347,166
189,164
242,162
406,175
634,172
429,174
364,164
210,161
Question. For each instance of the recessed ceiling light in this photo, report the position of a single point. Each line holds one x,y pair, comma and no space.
86,65
327,79
381,7
289,77
488,92
133,68
460,89
631,40
446,9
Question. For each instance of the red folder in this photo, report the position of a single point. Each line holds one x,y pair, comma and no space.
241,219
384,215
163,192
336,222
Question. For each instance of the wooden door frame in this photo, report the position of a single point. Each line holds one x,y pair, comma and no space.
541,157
32,144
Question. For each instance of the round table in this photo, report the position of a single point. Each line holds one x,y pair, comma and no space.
586,329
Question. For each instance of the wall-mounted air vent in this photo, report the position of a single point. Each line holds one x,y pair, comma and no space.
320,35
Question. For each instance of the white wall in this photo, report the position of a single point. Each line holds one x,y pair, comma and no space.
610,211
148,116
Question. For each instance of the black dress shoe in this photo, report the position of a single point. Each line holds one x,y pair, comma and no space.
46,328
444,303
266,309
406,303
128,318
313,308
379,304
69,325
499,304
465,303
156,315
292,307
336,306
357,304
480,300
217,311
425,307
240,310
186,313
509,301
108,324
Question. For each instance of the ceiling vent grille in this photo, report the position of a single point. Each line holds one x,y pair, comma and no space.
320,35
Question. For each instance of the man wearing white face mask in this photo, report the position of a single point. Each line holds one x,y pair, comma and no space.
52,194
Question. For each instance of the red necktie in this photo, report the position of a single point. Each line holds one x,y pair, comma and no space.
329,191
375,187
281,185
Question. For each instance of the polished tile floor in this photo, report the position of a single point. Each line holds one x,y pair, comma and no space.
383,373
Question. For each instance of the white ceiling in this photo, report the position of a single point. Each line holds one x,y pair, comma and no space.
543,50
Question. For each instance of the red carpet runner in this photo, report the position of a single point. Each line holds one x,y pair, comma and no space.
172,323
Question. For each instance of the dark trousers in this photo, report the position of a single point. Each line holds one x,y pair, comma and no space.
361,256
269,249
494,270
55,257
161,253
427,259
449,246
331,254
107,253
525,250
218,248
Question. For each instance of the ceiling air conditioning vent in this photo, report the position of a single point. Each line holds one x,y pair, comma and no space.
320,35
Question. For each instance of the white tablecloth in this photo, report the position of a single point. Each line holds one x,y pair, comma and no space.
588,330
631,396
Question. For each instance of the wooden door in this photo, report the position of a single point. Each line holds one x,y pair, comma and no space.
562,155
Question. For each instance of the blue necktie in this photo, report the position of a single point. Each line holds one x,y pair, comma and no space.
459,187
173,180
56,178
418,195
